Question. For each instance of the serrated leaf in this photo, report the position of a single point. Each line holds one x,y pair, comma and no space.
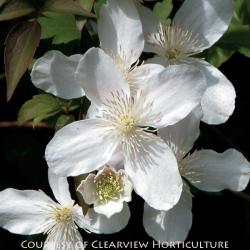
14,9
20,47
38,108
62,28
217,56
163,9
66,7
64,120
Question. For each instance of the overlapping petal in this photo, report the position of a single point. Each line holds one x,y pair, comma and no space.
171,225
99,223
24,212
60,188
99,76
182,135
175,92
218,102
74,148
206,19
54,73
214,172
152,167
118,19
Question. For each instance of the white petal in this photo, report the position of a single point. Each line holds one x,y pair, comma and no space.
119,19
54,73
149,22
206,19
99,76
87,189
152,167
100,224
110,208
182,135
171,225
158,60
64,238
127,187
117,159
211,171
81,147
218,102
24,212
175,92
139,76
60,188
93,111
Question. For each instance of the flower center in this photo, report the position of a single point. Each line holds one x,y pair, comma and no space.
108,187
127,124
63,214
173,42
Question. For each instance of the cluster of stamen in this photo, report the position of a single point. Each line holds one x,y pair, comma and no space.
63,214
174,43
108,187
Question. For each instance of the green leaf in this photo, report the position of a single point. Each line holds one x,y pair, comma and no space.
241,12
66,7
39,108
217,56
14,9
163,9
64,120
97,6
236,37
244,51
62,28
20,47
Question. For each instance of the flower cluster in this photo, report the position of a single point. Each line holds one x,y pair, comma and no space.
140,128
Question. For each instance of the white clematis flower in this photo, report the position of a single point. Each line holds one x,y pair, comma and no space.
54,73
197,25
123,121
107,190
121,37
33,212
205,169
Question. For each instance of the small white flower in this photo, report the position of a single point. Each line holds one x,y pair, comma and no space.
123,121
197,25
32,212
121,37
107,190
205,169
54,73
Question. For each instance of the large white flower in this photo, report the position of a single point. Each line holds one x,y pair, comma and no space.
124,121
121,37
54,73
197,25
32,212
205,169
107,190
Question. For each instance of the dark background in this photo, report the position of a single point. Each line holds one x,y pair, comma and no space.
217,217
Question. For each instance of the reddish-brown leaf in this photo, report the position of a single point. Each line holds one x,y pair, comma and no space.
66,7
20,47
16,8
